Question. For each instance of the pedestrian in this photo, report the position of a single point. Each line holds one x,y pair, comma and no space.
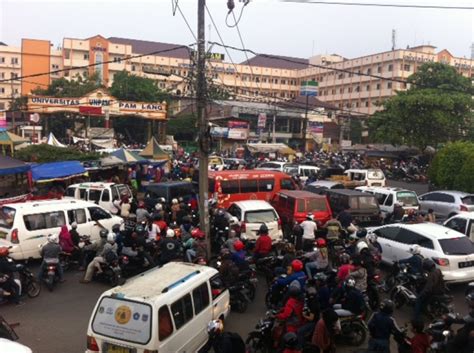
381,326
326,329
430,216
309,232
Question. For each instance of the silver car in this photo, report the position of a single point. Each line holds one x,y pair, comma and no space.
446,204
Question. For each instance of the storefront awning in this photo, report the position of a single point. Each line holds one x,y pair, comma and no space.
56,171
10,166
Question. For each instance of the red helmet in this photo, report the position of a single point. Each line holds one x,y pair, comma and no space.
297,265
197,233
321,243
238,245
3,251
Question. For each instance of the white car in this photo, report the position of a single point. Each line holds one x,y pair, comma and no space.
463,223
252,214
273,165
452,252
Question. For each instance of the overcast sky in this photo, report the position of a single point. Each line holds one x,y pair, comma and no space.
267,26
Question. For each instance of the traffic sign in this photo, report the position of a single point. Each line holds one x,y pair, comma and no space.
309,88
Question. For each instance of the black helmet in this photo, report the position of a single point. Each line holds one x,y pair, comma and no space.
140,229
263,229
361,233
428,264
470,299
294,290
103,233
290,340
116,228
386,306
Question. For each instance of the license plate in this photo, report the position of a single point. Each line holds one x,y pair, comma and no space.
112,348
466,264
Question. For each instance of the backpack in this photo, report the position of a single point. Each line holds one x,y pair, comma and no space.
238,345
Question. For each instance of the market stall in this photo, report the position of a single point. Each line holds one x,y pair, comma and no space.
15,184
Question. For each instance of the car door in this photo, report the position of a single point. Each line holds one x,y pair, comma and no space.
403,241
457,223
79,216
428,201
386,237
99,219
447,205
106,200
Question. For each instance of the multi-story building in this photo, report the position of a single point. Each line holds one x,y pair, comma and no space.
354,85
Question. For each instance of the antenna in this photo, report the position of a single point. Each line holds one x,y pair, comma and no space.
394,39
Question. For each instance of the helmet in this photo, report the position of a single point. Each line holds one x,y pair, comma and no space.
174,201
320,276
158,207
344,258
170,233
386,306
295,289
290,340
350,282
215,327
361,246
139,229
263,229
428,264
116,228
162,200
103,233
225,253
74,225
321,243
3,251
296,265
197,233
220,212
310,216
238,245
415,249
371,238
53,238
111,237
361,233
469,298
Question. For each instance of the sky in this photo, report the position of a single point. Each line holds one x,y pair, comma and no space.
267,26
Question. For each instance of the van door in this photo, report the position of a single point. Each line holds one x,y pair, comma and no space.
80,217
99,219
386,237
220,298
106,199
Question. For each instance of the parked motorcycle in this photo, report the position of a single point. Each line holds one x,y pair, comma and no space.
353,328
111,274
25,279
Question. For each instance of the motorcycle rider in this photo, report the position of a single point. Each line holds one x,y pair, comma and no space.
359,274
228,269
290,343
141,212
109,251
415,261
345,268
309,232
263,245
239,256
349,298
92,249
334,229
220,224
318,258
222,342
326,329
292,312
434,285
463,341
196,245
76,238
170,248
366,258
311,311
381,326
50,253
9,289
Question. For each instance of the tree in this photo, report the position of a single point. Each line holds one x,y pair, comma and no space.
79,86
46,153
437,108
183,128
135,88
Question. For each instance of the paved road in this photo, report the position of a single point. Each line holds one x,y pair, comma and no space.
56,322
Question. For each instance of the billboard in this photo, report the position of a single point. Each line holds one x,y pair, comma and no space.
315,127
238,130
219,132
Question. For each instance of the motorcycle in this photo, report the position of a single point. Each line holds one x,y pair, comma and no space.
262,339
373,285
239,297
25,279
51,276
440,332
111,274
353,328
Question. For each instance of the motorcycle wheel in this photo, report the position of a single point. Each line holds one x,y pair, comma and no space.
389,284
268,300
357,334
50,283
397,298
240,305
374,298
116,279
33,288
254,344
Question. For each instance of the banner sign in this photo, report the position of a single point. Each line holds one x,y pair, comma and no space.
3,120
309,88
315,127
219,132
238,134
262,120
232,124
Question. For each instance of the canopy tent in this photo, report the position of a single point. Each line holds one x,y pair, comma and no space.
11,140
270,148
10,166
111,161
56,171
128,156
154,151
53,141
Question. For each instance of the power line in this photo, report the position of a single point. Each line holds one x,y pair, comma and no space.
185,20
414,6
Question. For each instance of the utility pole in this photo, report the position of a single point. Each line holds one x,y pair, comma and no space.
305,123
203,138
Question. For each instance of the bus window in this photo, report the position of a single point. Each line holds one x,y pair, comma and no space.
266,185
287,184
248,186
230,186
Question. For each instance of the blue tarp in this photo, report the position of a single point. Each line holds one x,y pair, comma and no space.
10,166
56,170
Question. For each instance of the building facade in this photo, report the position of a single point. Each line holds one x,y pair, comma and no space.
348,84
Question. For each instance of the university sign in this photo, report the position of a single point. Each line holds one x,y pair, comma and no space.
98,101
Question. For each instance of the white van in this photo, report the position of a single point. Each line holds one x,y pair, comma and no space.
388,197
163,310
26,225
251,214
370,177
103,194
304,171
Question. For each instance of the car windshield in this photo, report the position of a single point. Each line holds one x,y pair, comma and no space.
457,246
312,205
261,216
363,202
7,216
124,190
375,174
408,198
468,200
94,195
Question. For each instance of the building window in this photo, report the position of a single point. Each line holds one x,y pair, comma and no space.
369,71
367,88
357,89
283,82
378,85
14,61
379,69
389,85
257,79
67,54
350,89
357,104
367,104
2,90
341,90
2,75
14,75
2,60
275,80
264,80
340,76
390,67
86,56
282,94
2,105
133,67
406,67
15,90
66,73
333,91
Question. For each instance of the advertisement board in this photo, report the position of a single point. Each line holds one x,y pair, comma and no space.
238,130
315,127
219,132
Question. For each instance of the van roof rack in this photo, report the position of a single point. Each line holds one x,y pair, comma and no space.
182,280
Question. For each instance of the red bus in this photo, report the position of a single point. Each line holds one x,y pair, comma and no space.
238,185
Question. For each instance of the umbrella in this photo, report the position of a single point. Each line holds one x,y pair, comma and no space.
128,156
154,151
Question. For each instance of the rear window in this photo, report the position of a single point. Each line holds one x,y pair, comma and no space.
362,202
468,200
94,195
262,216
124,320
7,217
375,174
287,184
71,192
312,205
457,246
123,190
408,198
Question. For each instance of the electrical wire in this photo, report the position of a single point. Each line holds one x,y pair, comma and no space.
186,21
411,6
236,22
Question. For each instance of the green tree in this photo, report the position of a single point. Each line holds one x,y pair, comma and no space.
437,108
183,128
46,153
79,86
135,88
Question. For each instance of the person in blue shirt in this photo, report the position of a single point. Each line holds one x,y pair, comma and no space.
238,257
296,273
415,261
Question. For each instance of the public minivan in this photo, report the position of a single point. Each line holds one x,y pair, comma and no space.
103,194
363,207
163,310
367,177
26,225
304,171
169,190
388,197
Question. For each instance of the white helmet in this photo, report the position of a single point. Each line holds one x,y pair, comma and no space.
74,225
415,249
53,238
174,201
371,238
170,233
111,237
158,207
361,246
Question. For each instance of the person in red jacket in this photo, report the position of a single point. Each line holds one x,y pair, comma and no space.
420,342
263,246
292,312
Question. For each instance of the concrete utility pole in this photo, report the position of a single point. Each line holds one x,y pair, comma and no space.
203,138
